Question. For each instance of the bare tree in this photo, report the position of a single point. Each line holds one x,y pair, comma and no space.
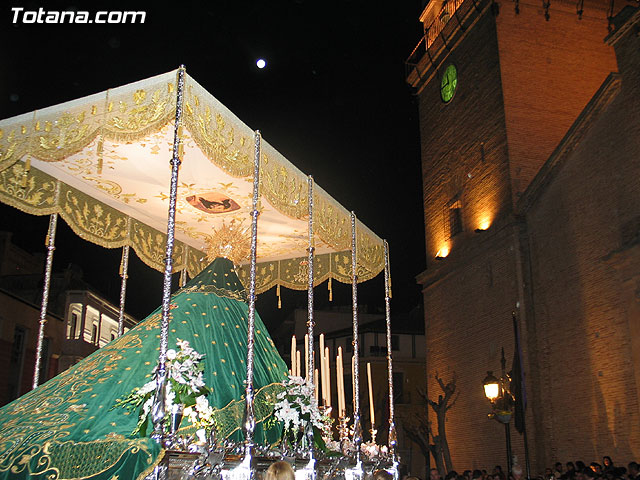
419,429
441,408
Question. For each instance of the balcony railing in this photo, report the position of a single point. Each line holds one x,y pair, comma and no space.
432,32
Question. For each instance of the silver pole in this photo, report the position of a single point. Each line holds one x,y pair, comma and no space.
310,321
124,274
311,251
393,438
249,416
158,410
357,425
51,242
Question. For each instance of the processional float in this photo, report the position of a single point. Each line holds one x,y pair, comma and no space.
100,162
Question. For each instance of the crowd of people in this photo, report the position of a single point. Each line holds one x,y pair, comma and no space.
569,471
578,470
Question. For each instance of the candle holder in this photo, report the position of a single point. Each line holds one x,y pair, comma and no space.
343,431
373,433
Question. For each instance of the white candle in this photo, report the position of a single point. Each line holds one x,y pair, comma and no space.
293,355
340,382
327,359
298,363
353,380
306,356
322,369
373,416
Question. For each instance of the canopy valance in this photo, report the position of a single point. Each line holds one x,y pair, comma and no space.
102,163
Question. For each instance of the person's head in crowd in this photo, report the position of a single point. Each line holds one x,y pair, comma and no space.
516,471
570,466
607,462
596,467
452,475
580,465
548,474
633,469
280,471
476,475
558,467
434,474
381,475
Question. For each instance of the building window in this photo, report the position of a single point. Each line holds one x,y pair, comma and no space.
17,349
16,363
395,342
113,336
398,387
377,350
73,325
453,217
94,334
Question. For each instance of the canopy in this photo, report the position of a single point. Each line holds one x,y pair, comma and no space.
102,163
67,429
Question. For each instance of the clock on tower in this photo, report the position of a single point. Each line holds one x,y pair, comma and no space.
449,83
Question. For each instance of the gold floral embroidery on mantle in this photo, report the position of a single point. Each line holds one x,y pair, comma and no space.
27,445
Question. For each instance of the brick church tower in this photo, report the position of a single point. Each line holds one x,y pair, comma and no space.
508,92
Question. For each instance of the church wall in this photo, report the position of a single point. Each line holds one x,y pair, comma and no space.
549,71
584,233
469,295
464,153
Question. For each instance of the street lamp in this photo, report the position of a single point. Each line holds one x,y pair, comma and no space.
491,386
498,393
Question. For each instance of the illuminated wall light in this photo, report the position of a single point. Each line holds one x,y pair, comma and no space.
443,252
484,224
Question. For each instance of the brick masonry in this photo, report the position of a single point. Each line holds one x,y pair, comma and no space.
569,256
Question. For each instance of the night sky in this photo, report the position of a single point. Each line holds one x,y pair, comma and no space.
332,99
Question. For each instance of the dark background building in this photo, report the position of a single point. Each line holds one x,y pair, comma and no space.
79,320
532,204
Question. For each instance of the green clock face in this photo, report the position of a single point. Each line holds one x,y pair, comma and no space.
449,83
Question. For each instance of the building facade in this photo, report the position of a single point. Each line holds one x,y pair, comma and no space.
79,321
529,133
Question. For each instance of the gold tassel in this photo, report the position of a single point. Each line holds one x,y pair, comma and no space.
122,264
100,152
46,240
180,150
330,291
25,174
278,294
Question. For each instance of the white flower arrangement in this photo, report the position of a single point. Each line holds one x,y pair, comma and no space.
185,386
297,407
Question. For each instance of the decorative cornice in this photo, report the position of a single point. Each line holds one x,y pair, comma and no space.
621,31
425,68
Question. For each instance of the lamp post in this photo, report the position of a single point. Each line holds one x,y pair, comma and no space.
502,402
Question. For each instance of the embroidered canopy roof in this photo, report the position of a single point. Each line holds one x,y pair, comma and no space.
102,163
